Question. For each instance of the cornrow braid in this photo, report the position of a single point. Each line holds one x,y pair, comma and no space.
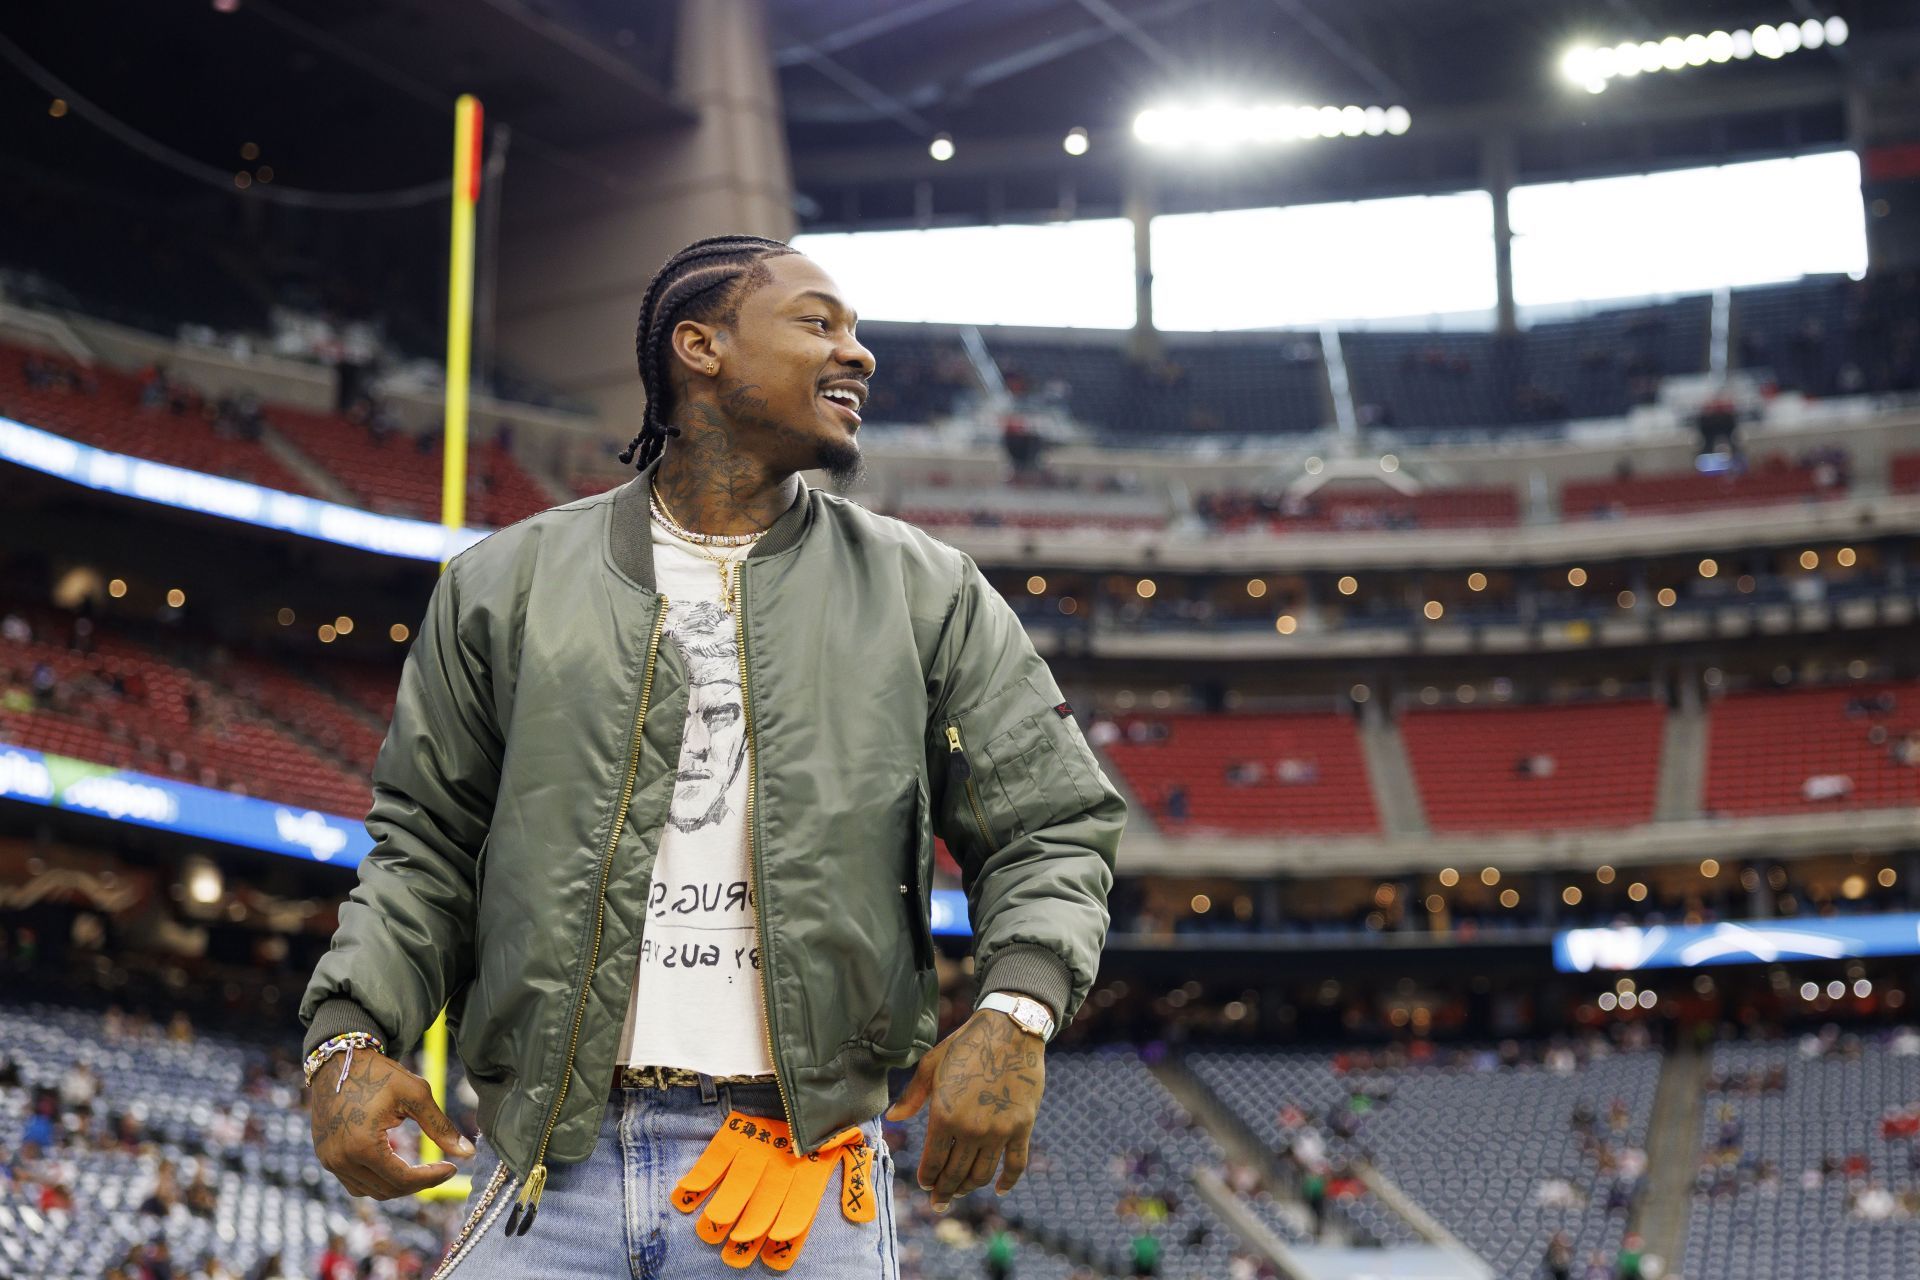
701,282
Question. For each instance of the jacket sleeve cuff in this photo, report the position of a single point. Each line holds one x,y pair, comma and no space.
1028,970
337,1017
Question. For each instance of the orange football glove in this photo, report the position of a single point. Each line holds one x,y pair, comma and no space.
764,1194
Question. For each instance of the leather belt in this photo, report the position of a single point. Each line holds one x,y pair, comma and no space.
625,1077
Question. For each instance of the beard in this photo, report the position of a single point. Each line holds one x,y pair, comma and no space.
843,462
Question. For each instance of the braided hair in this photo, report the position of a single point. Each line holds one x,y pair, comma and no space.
704,281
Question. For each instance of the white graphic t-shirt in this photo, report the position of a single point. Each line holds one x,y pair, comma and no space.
697,1000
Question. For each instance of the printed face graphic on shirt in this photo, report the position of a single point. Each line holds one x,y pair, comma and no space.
715,747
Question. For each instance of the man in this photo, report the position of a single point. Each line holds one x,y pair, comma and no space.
663,904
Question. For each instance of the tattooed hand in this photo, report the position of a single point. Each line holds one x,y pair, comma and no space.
350,1126
985,1081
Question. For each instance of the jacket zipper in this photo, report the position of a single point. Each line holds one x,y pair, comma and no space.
753,850
537,1180
957,762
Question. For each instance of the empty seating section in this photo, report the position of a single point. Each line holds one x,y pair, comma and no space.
1312,777
1791,1225
1471,1144
1349,510
1765,749
342,730
1592,764
396,477
109,416
920,375
1109,1130
172,722
1904,473
370,686
1091,378
1414,380
1602,365
1796,332
272,1197
1773,481
1246,385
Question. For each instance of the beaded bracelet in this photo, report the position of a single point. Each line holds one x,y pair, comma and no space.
348,1041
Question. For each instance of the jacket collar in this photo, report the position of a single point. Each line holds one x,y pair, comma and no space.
630,536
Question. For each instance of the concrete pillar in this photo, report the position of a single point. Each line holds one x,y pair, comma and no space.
1138,203
1496,173
580,242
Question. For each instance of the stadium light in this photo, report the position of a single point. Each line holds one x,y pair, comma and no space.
1594,67
1221,126
941,148
1075,143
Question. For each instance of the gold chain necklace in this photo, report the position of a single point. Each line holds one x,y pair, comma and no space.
687,535
729,586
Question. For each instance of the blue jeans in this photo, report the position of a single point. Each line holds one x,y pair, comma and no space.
610,1215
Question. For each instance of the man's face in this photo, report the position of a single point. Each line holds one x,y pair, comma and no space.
793,342
715,748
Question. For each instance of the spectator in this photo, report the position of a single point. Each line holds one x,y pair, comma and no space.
334,1263
1628,1263
1001,1248
1145,1252
1559,1259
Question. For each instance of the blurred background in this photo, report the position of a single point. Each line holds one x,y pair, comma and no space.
1462,461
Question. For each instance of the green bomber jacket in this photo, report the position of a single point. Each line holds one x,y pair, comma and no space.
519,795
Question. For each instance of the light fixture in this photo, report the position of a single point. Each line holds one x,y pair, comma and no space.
1490,877
1509,898
1221,126
1348,584
343,624
1594,67
1476,581
1434,610
1075,143
1809,559
1256,587
327,634
1576,577
1036,585
1667,597
204,882
1145,588
398,631
1286,624
1571,895
57,108
941,148
1625,599
1845,557
1201,904
285,616
176,597
1709,867
1449,877
1709,567
117,588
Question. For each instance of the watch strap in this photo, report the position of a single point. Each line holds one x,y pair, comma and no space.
1024,1010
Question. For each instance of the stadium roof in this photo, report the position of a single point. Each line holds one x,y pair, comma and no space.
356,92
